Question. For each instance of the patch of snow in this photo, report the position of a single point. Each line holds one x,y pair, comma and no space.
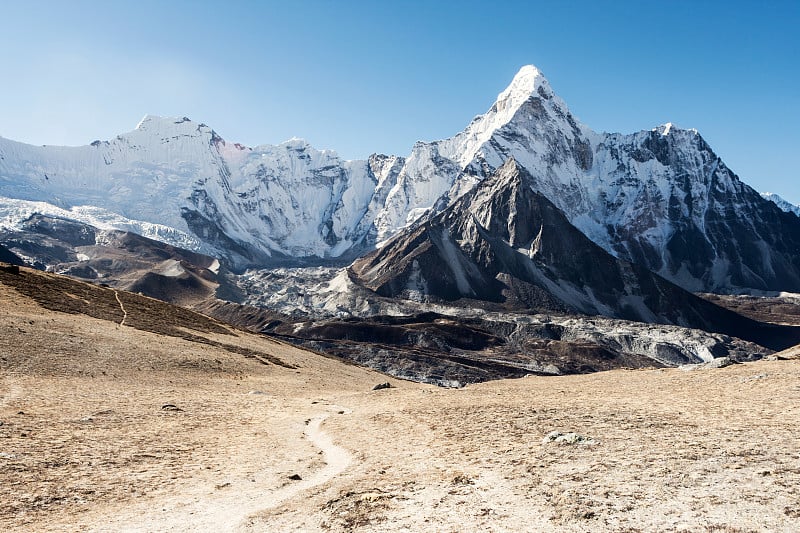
171,268
417,285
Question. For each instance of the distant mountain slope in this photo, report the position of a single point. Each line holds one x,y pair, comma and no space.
506,243
120,259
262,205
780,202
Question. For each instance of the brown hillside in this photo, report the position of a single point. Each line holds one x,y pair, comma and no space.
175,422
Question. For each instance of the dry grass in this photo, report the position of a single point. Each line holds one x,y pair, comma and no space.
65,295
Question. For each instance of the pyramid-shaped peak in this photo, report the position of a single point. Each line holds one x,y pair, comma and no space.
529,81
510,180
529,74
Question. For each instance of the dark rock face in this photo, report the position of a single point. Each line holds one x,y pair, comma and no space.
505,244
7,256
48,240
692,220
67,231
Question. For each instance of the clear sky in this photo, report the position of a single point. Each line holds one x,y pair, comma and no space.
363,77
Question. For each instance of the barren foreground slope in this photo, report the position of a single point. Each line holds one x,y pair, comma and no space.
173,422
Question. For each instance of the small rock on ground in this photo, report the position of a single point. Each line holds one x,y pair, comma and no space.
567,438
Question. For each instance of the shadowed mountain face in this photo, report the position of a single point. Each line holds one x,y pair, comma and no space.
7,256
696,223
506,244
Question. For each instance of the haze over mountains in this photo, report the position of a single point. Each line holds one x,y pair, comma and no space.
525,210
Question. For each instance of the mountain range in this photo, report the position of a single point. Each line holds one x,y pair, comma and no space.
659,198
524,211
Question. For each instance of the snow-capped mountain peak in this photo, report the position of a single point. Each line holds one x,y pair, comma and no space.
670,127
527,82
522,88
660,198
527,99
525,114
664,129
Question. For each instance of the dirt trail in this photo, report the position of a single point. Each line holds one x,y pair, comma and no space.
229,510
337,459
122,308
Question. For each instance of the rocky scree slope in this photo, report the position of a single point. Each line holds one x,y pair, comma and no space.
459,346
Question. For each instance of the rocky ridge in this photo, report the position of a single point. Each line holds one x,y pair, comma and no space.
782,203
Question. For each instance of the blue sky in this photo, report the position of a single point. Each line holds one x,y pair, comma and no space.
363,77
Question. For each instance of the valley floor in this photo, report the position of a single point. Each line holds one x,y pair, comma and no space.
304,443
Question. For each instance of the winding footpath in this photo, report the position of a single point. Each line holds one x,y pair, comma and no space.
122,307
337,459
229,510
